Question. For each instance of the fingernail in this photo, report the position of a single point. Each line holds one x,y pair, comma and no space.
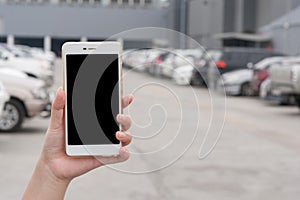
122,117
58,90
122,134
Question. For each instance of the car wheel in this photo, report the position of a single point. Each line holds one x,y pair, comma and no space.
246,90
13,116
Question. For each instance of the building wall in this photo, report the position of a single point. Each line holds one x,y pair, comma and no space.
269,10
285,32
208,17
75,21
205,20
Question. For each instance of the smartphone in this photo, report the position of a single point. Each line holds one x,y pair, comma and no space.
93,86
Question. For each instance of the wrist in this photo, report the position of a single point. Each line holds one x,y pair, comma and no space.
45,185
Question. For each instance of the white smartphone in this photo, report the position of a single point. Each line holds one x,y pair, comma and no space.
93,86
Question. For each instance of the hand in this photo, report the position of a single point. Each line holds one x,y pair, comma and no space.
55,169
65,167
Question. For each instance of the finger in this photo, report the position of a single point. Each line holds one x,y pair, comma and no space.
124,138
121,157
125,121
126,100
57,110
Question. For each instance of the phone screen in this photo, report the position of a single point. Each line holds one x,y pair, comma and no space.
92,98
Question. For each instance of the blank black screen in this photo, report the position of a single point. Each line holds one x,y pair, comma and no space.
95,96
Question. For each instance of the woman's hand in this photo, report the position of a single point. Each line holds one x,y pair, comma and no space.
55,168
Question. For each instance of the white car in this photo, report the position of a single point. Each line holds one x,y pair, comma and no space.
140,60
178,58
240,82
4,97
47,56
32,67
28,97
183,75
237,82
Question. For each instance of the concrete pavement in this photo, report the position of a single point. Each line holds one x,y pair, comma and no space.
256,158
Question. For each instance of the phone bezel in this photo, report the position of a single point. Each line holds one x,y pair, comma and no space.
96,48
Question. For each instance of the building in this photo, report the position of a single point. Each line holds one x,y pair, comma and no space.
210,17
50,23
285,32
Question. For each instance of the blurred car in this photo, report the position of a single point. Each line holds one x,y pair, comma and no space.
32,67
134,59
285,80
153,63
266,94
237,82
182,75
177,58
227,60
28,98
240,82
38,53
4,97
208,58
261,71
140,59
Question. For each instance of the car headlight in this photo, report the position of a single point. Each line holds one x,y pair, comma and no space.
40,93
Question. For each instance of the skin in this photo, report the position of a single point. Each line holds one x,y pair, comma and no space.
55,170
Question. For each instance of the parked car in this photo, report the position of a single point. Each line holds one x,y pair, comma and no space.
38,53
285,80
237,82
261,71
201,66
4,97
230,59
32,67
140,59
152,66
246,82
177,58
28,98
182,75
135,59
266,94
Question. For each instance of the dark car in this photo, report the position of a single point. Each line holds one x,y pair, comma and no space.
229,59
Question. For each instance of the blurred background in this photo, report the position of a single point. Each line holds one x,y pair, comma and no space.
243,54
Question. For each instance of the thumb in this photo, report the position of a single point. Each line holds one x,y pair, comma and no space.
57,110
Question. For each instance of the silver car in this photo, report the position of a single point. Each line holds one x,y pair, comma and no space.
28,98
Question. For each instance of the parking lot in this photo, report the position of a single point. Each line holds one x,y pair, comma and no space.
257,156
